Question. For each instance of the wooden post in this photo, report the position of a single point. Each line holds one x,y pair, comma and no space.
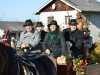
69,67
87,55
64,68
69,62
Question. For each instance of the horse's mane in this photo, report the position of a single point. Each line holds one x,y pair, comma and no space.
7,60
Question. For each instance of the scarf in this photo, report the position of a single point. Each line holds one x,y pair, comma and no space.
52,38
32,31
85,38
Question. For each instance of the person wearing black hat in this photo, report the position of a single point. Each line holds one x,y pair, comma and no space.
39,27
54,42
75,37
87,41
29,38
87,38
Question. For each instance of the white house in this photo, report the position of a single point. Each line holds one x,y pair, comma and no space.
60,10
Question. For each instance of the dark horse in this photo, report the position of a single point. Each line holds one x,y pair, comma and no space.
33,64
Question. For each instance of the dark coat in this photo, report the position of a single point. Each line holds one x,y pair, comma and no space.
76,38
59,48
42,35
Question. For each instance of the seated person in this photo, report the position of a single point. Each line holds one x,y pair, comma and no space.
75,37
54,42
87,38
39,27
29,38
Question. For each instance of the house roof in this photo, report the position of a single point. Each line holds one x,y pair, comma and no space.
80,5
85,5
43,6
12,26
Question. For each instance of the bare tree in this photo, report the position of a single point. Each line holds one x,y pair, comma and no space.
2,16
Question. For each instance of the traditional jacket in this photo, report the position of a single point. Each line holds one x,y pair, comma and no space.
76,38
57,49
31,38
88,42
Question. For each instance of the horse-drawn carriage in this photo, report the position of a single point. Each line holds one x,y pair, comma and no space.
33,62
28,63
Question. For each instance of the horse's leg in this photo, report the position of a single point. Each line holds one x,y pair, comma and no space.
25,72
48,64
21,69
39,67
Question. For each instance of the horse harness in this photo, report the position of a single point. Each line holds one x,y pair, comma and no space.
25,61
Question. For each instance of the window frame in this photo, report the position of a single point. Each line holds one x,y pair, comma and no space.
49,20
66,19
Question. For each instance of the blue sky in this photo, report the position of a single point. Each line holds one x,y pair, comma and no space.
20,10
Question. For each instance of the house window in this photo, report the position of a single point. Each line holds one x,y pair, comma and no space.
50,19
66,19
88,17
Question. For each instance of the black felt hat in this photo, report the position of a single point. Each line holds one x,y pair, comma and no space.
85,30
39,24
73,22
28,23
53,22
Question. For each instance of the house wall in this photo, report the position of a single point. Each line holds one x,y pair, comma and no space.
59,16
94,24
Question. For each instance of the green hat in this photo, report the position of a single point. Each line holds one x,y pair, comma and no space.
53,22
73,22
39,24
28,23
85,29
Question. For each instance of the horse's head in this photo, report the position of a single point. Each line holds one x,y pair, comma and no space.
7,60
3,58
1,64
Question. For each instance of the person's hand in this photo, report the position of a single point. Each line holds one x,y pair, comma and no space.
23,45
62,57
26,45
47,51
